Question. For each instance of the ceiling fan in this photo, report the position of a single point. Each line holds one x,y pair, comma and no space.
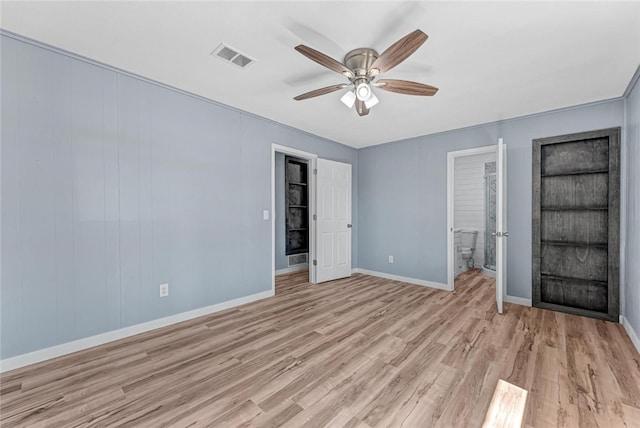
362,66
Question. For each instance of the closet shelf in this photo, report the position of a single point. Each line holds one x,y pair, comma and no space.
576,244
562,278
298,251
575,209
296,177
560,174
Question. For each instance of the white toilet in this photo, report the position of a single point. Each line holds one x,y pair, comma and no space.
468,238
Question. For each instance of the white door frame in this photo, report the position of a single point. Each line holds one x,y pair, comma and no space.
501,225
451,156
312,158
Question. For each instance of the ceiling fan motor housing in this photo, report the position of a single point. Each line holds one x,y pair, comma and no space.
359,60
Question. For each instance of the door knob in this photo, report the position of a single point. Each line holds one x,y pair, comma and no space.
349,226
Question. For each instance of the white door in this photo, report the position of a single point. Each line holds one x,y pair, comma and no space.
333,228
501,224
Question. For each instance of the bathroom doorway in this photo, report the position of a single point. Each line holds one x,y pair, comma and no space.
471,213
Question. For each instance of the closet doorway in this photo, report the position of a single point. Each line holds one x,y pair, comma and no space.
326,215
293,199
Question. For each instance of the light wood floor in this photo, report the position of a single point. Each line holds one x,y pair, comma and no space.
357,352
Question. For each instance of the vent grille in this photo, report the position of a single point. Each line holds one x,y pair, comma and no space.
233,56
298,259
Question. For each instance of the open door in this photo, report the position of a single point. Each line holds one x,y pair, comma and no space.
333,228
501,223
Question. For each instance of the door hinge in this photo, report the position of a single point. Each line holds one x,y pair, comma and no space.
315,171
315,263
315,217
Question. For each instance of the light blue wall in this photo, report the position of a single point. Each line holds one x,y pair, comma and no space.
112,185
402,192
632,265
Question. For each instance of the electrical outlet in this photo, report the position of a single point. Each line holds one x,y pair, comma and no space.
390,259
265,215
164,290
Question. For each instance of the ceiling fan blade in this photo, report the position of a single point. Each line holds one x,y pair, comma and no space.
406,87
396,20
306,34
361,108
324,60
320,91
306,79
397,52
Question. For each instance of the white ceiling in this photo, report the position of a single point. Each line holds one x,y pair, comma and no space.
491,60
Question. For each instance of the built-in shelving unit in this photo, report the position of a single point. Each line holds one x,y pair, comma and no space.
576,223
296,205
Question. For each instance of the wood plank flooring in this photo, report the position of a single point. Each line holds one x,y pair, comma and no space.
358,352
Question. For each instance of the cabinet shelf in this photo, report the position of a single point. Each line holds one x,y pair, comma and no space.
576,244
295,229
574,209
575,222
568,278
560,174
297,206
297,184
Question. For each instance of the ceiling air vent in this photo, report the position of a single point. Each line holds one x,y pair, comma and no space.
229,54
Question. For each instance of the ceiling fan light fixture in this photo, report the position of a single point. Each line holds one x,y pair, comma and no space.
348,74
363,91
349,98
371,101
362,66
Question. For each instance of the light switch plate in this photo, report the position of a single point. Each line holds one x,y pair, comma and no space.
164,290
265,215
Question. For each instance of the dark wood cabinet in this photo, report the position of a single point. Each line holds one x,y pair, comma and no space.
296,205
576,223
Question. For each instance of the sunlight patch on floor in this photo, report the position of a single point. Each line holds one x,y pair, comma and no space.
507,406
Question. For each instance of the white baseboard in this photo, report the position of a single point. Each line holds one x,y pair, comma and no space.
509,299
632,334
518,300
291,269
100,339
415,281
